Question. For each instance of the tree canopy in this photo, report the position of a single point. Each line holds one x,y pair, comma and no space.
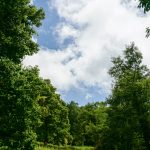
128,116
18,21
19,90
145,4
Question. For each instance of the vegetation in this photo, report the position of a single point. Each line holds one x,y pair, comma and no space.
128,122
87,123
145,4
55,125
31,112
53,147
18,19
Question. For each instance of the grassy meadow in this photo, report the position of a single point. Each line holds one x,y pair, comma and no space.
64,148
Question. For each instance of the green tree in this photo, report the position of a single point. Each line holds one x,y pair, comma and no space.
18,20
74,111
54,117
145,4
19,87
19,111
128,116
87,122
96,115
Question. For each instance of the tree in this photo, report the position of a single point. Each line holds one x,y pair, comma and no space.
128,116
74,112
95,118
29,104
145,4
87,122
18,21
54,117
19,110
19,87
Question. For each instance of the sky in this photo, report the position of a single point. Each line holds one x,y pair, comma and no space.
77,40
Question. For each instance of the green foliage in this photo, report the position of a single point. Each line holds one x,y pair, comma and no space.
128,114
92,118
18,19
30,105
145,4
30,108
19,90
74,121
87,122
19,87
54,116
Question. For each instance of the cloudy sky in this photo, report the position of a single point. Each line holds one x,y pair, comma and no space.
78,39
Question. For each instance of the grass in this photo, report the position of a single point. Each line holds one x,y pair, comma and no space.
43,148
64,148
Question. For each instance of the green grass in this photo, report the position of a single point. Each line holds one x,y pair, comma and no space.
64,148
43,148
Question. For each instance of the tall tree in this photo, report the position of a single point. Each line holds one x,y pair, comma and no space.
74,112
94,117
128,121
19,110
19,87
18,20
87,122
54,117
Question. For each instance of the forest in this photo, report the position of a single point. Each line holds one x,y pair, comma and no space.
33,114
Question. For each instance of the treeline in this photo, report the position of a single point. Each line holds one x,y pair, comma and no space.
123,121
31,111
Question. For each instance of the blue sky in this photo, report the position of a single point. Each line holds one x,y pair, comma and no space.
46,36
77,40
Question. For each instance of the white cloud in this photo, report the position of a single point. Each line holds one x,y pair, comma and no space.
65,31
104,28
52,65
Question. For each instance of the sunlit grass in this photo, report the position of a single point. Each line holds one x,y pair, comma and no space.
43,148
64,148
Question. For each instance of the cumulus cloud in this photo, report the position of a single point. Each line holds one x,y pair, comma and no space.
100,29
53,65
65,31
